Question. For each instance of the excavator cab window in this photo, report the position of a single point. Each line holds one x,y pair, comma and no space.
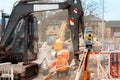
18,49
24,40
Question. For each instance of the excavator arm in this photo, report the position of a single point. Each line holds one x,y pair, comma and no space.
76,22
24,8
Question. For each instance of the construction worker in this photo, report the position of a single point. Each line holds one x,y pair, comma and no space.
59,62
65,53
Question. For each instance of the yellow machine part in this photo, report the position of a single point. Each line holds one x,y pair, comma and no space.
88,37
58,45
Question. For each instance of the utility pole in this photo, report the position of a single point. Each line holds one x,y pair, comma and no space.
103,26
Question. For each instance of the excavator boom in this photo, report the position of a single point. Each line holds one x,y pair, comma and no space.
22,10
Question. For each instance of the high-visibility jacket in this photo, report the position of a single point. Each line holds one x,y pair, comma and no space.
65,53
59,62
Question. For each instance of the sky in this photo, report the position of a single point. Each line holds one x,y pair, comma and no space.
111,12
7,5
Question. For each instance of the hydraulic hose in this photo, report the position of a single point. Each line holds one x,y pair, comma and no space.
53,72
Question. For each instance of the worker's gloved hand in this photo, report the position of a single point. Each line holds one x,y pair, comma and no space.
51,72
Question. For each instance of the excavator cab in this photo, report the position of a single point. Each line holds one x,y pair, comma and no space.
23,39
26,43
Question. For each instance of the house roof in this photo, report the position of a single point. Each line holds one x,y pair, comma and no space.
113,24
92,18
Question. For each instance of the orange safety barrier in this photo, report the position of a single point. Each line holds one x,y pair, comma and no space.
115,64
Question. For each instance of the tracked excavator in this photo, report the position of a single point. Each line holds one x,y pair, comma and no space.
19,35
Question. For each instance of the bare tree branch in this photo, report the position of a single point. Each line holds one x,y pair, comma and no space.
93,6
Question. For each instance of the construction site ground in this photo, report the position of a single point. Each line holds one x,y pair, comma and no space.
45,54
92,66
72,73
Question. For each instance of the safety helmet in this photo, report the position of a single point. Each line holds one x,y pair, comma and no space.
59,53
